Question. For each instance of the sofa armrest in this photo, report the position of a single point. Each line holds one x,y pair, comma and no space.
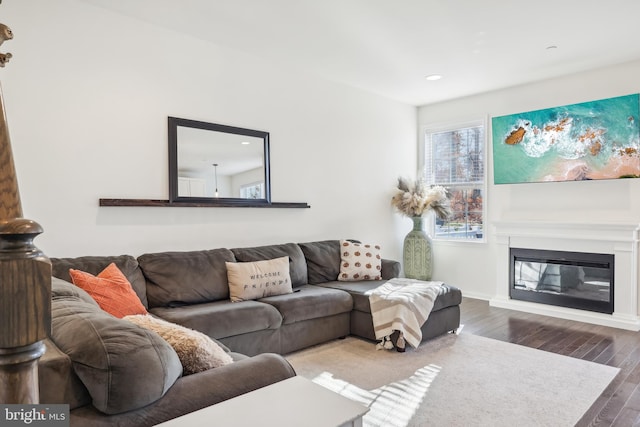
390,269
196,391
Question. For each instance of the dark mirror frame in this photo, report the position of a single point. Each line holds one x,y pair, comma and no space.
174,123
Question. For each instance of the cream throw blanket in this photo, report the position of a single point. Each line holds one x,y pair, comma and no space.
402,305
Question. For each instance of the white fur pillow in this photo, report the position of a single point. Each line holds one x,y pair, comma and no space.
359,261
196,351
258,279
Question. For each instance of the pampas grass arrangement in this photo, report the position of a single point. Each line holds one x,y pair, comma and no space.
415,198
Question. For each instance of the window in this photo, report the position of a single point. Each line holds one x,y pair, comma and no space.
454,157
252,191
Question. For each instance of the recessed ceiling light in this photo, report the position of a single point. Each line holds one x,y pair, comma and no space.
245,143
433,77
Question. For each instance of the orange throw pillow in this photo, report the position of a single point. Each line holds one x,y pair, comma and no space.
111,290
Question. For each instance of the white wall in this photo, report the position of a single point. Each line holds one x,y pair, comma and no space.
473,266
88,93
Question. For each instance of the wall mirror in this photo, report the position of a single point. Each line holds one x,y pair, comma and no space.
218,164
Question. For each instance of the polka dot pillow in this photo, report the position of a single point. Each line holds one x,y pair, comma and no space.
359,261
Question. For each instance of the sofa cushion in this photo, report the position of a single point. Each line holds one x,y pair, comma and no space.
297,262
197,352
124,367
62,288
359,261
357,290
323,260
310,302
95,264
390,269
111,290
258,279
178,278
221,319
447,297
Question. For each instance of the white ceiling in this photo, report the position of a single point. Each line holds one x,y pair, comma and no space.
389,47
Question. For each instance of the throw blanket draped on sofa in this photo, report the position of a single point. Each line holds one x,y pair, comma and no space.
402,305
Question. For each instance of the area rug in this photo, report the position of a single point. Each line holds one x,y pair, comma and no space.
457,380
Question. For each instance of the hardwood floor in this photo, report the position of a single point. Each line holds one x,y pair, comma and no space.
619,404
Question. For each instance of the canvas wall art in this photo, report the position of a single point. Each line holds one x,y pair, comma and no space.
587,141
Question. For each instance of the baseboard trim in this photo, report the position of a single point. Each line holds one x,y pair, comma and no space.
630,323
474,295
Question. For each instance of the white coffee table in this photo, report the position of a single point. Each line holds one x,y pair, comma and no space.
293,402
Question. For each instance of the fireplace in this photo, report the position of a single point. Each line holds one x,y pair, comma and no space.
620,239
577,280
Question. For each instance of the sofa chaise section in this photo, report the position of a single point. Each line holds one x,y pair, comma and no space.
444,317
323,260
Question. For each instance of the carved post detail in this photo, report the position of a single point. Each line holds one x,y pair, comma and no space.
25,280
10,206
25,310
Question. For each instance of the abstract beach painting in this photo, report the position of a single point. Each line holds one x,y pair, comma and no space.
587,141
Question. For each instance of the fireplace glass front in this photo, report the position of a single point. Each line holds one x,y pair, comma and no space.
567,279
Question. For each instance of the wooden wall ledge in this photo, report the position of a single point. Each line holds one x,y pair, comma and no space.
212,204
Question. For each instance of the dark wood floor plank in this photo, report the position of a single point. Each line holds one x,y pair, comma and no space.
622,355
588,346
616,404
619,403
580,339
627,417
616,350
598,413
577,335
634,401
598,349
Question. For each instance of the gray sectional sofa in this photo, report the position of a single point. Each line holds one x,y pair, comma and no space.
113,372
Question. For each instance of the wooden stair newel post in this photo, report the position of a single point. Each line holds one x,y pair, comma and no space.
25,280
25,310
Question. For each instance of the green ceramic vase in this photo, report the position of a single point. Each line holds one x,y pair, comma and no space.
417,254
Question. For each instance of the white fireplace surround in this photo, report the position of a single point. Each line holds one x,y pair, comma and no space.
619,239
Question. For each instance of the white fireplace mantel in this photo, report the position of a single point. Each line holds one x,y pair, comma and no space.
617,238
